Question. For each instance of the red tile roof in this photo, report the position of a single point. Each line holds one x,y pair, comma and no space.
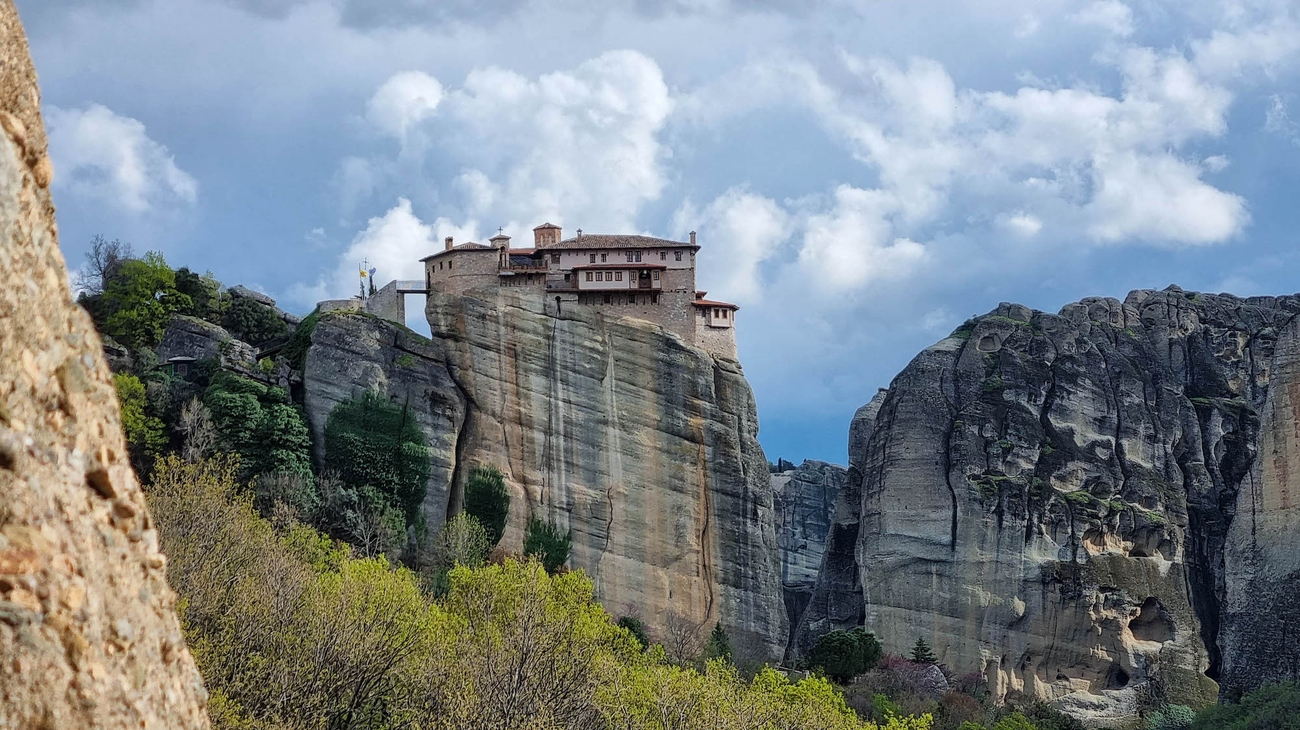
468,246
711,303
600,240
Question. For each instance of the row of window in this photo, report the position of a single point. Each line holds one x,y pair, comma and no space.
440,263
633,257
630,300
614,275
717,314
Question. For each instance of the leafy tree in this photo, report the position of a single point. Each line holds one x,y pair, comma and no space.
253,322
144,432
487,500
544,541
843,655
376,447
256,422
922,654
719,644
103,261
139,299
1014,721
637,629
204,292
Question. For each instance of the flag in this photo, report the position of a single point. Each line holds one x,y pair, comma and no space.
372,273
363,273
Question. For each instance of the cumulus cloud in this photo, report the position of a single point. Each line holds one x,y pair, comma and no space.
110,158
853,243
1161,198
402,102
738,232
394,243
1110,15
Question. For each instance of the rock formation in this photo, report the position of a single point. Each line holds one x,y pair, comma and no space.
645,447
805,502
88,634
1095,507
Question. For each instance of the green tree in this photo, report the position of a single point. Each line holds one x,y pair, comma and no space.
551,547
1171,717
1014,721
719,644
144,433
1271,707
376,448
253,322
204,292
257,422
487,500
139,299
922,654
843,655
636,628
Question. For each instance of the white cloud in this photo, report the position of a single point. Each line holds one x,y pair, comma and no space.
1217,163
1160,198
404,101
394,243
1110,15
738,231
1278,121
110,158
1027,26
853,243
1022,224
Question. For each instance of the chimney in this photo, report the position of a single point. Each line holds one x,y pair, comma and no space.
447,243
692,238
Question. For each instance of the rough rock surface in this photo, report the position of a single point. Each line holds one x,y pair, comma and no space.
647,448
88,633
835,601
200,339
1093,505
805,503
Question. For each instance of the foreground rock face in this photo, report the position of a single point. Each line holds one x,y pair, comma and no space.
88,633
1092,505
805,503
645,447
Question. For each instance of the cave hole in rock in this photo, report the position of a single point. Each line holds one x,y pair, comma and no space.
1151,623
989,343
1116,678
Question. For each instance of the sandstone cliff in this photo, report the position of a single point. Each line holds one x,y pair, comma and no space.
805,501
1091,506
88,634
645,447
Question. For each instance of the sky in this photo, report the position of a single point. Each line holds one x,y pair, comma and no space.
864,175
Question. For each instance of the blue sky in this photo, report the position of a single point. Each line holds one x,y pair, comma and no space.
864,174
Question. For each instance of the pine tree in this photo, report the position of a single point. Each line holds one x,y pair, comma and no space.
719,646
921,653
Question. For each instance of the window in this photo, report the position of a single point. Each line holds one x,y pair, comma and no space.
629,257
716,313
663,255
724,314
448,264
600,276
604,257
607,299
654,298
588,276
555,258
678,255
566,277
593,258
638,256
656,276
618,276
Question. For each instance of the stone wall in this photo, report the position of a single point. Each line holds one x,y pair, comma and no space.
388,303
717,341
463,270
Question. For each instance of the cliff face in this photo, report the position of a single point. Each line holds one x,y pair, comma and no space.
88,632
1090,505
805,501
646,448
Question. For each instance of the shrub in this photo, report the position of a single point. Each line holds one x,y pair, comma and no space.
253,322
377,449
144,432
544,541
257,423
462,541
487,500
1273,706
1171,717
139,299
842,655
204,292
295,350
636,628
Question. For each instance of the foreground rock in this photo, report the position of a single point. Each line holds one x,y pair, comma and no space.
88,633
1095,507
645,447
805,504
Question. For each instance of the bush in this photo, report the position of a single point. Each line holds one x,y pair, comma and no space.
139,299
144,432
487,500
257,423
636,628
1171,717
544,541
719,644
253,322
1271,707
842,655
295,351
376,448
204,292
